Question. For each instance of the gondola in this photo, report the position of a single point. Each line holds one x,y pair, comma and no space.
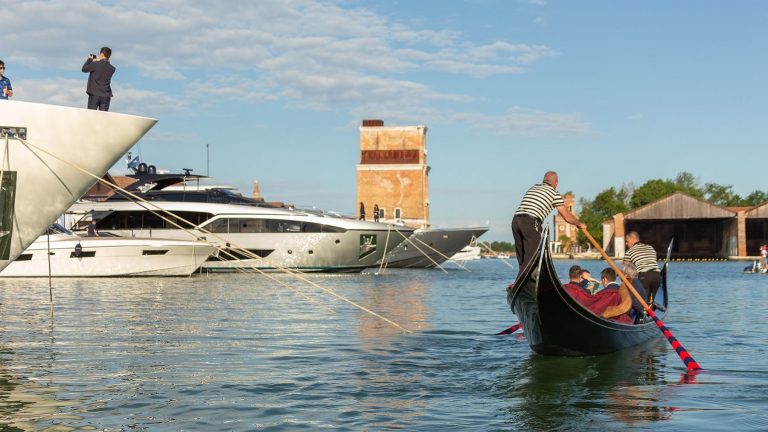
556,324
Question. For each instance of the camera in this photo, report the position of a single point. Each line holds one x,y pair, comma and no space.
93,56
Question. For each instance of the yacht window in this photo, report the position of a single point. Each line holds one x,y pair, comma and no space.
280,226
152,220
154,252
147,220
250,225
311,227
218,226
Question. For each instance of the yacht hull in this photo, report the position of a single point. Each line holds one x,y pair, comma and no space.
108,257
317,252
428,248
42,178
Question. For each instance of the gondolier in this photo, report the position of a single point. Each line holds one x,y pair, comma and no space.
538,202
643,257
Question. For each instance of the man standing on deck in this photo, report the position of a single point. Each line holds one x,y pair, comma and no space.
643,257
100,73
538,202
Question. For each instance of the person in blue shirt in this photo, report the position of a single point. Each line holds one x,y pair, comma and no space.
5,83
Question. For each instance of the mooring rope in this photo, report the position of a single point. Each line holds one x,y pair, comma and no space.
384,257
440,253
241,250
420,251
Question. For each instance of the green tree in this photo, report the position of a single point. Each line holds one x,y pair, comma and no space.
722,195
688,183
502,246
651,191
755,198
605,204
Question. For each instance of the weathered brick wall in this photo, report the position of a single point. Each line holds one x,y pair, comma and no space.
393,173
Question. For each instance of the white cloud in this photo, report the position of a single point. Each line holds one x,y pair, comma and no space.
522,121
71,92
308,53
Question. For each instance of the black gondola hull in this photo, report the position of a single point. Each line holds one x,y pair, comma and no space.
556,324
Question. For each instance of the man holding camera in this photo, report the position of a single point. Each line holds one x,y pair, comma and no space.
99,80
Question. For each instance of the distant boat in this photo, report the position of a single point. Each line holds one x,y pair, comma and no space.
754,268
467,253
47,153
107,256
502,255
431,247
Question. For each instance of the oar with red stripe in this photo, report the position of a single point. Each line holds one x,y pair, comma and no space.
686,357
510,330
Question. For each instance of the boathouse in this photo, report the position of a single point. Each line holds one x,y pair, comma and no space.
701,229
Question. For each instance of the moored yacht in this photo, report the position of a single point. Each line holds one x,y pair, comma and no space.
430,247
61,253
252,233
47,154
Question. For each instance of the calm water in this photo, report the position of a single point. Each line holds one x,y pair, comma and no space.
243,352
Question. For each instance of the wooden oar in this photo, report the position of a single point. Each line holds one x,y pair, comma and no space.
687,359
510,330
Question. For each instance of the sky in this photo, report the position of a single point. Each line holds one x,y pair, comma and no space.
606,93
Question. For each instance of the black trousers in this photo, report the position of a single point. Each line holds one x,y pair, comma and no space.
651,280
527,233
100,103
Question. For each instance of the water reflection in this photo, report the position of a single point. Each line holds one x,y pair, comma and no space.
566,393
384,399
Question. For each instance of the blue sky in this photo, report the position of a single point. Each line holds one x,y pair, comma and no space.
604,92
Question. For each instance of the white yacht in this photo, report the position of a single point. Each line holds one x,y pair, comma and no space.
46,154
467,253
61,253
279,238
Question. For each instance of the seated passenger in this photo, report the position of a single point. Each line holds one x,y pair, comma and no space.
612,302
617,298
574,287
637,309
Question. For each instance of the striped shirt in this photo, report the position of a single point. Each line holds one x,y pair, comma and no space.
643,257
539,201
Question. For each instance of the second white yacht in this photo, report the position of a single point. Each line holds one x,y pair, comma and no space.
61,253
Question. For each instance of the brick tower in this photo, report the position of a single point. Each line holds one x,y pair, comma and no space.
393,173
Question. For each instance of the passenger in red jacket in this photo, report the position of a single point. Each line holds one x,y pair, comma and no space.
612,302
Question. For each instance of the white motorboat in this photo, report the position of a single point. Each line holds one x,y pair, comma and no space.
107,256
252,236
47,153
431,247
467,253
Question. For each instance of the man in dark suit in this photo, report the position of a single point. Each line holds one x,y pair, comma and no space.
99,79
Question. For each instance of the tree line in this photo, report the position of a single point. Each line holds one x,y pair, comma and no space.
626,198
